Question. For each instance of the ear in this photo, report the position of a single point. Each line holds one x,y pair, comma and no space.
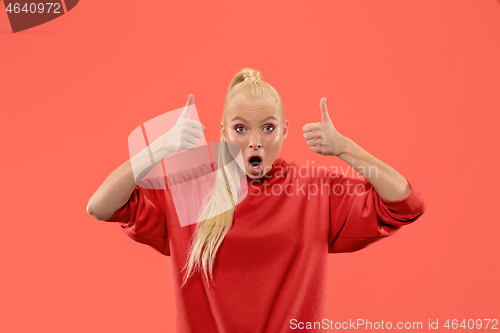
285,129
222,131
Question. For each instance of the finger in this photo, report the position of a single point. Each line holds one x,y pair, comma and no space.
192,136
196,132
316,149
324,109
193,140
309,127
308,135
195,124
187,145
186,113
312,142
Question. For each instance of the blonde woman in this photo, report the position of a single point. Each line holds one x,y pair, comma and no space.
261,265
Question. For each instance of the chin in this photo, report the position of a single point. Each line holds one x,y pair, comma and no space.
251,175
260,175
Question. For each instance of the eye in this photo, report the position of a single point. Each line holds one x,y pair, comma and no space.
270,127
238,127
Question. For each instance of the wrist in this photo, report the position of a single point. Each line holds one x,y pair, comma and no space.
347,147
157,151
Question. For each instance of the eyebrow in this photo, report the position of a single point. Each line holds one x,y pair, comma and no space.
239,118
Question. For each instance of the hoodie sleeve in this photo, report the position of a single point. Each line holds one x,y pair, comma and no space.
143,220
359,216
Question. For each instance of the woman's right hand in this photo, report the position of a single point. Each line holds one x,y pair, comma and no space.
185,134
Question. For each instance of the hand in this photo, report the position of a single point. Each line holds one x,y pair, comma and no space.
323,138
185,134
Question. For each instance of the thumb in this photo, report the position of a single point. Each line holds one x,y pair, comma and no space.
324,110
186,113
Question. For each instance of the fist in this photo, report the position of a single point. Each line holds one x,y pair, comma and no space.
323,138
186,133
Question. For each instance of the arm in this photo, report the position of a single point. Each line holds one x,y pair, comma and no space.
323,138
386,203
390,184
359,216
116,189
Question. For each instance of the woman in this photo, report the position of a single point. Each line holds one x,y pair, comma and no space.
259,266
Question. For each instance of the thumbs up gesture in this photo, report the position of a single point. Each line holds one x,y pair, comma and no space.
323,138
185,134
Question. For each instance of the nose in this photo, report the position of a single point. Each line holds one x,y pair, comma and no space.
254,142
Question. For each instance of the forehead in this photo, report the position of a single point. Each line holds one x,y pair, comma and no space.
242,106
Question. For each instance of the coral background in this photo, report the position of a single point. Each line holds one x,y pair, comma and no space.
415,83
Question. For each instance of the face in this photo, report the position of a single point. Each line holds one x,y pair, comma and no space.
258,128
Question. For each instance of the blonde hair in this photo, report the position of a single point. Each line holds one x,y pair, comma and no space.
214,226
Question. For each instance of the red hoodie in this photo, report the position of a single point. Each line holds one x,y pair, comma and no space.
270,270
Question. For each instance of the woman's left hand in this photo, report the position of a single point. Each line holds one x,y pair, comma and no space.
323,138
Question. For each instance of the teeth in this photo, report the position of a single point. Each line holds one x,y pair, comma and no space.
253,163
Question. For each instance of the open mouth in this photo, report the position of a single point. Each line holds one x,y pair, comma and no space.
255,164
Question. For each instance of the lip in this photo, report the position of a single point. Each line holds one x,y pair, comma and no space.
259,169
